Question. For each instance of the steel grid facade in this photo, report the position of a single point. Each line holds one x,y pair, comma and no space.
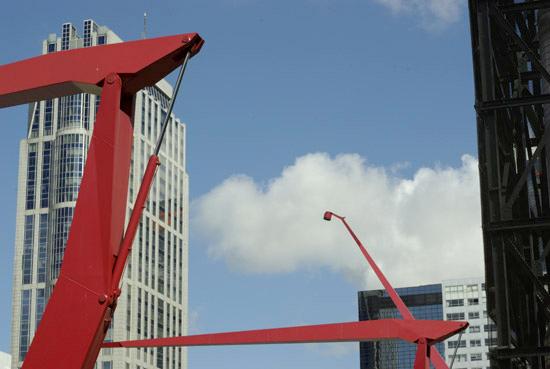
510,46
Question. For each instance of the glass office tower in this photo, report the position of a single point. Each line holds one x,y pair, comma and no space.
154,298
424,302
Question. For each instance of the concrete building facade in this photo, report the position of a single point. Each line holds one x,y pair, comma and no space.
154,298
464,299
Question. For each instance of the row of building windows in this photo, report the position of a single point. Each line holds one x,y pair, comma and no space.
461,315
74,112
460,291
61,225
473,343
460,302
28,248
32,159
70,153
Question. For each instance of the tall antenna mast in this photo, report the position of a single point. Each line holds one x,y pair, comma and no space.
144,33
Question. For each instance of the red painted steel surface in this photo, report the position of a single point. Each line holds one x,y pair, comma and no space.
78,311
83,301
133,223
435,356
139,64
422,358
408,330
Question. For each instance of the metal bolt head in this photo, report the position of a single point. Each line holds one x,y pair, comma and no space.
110,79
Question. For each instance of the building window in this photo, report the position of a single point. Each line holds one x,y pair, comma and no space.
31,176
70,152
40,304
473,315
476,356
489,328
46,164
42,247
455,316
35,124
70,111
86,114
461,358
48,111
25,324
474,329
101,40
473,301
454,292
61,223
454,344
28,238
475,343
51,47
455,302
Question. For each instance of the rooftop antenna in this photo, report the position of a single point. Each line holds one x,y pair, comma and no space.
144,33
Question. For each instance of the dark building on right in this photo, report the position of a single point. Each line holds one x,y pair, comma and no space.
511,61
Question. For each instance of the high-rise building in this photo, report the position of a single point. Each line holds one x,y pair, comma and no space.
458,299
424,302
154,298
464,299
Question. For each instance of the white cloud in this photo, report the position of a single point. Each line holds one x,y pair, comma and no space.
434,14
420,230
334,350
5,360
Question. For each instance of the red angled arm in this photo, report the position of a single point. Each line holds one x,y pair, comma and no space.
409,330
435,356
138,63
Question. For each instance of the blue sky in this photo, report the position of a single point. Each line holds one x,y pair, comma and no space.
389,82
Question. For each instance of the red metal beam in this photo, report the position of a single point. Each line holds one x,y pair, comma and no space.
437,359
79,310
431,331
138,63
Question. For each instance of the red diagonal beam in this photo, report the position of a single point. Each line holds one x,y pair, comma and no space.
409,330
436,357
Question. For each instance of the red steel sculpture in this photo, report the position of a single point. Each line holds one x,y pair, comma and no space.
81,307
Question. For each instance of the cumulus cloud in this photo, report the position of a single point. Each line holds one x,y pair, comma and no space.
420,230
434,14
